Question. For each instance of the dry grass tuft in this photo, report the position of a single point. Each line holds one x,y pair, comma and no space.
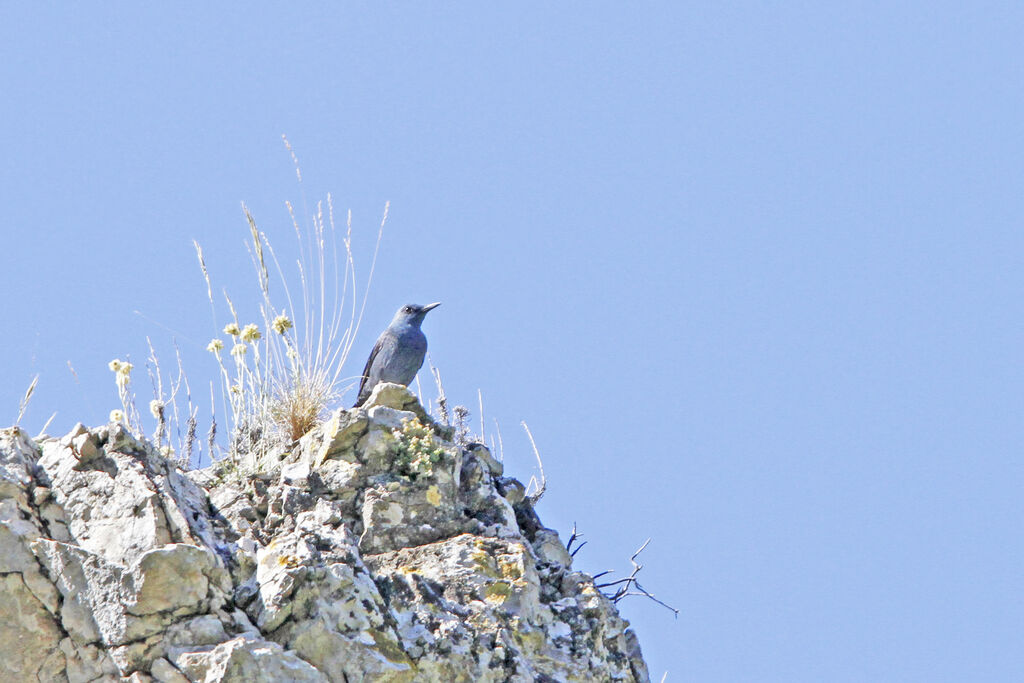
279,377
279,367
298,407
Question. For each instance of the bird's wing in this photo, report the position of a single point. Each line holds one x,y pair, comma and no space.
369,363
381,356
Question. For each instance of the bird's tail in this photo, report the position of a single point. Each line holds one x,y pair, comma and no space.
361,399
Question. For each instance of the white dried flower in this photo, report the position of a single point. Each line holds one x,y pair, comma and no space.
281,324
123,373
251,333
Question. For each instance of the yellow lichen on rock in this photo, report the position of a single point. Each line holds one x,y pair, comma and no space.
433,495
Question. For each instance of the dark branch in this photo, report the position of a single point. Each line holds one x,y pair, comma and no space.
631,585
573,539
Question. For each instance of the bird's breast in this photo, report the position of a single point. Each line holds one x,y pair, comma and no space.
405,357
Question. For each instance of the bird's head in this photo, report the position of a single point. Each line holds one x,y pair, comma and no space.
413,314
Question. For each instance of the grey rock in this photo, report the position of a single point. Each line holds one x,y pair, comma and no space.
29,627
165,672
369,550
244,660
549,547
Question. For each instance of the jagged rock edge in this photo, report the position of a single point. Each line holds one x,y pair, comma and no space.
503,603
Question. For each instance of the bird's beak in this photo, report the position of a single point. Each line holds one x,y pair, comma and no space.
430,307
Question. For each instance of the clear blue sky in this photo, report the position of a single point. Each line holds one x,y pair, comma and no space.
752,272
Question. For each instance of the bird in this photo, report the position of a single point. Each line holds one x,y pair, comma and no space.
398,354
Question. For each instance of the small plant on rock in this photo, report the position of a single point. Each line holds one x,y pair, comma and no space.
417,449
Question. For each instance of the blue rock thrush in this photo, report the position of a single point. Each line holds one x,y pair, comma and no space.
398,354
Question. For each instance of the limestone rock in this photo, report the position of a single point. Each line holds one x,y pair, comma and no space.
374,548
29,631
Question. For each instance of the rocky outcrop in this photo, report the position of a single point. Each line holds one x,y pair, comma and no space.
373,549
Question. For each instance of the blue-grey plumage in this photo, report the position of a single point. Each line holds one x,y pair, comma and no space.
398,354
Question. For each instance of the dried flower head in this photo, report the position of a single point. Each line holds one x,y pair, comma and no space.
239,349
116,416
281,324
215,346
251,333
156,408
123,372
232,329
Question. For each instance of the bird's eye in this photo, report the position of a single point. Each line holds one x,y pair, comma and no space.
408,309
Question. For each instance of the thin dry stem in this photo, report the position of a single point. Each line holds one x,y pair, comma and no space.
231,307
480,402
156,379
373,265
442,400
461,425
539,488
501,445
211,435
23,404
206,275
43,430
189,442
295,160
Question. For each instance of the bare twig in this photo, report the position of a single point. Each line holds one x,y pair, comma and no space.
541,487
631,585
573,538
